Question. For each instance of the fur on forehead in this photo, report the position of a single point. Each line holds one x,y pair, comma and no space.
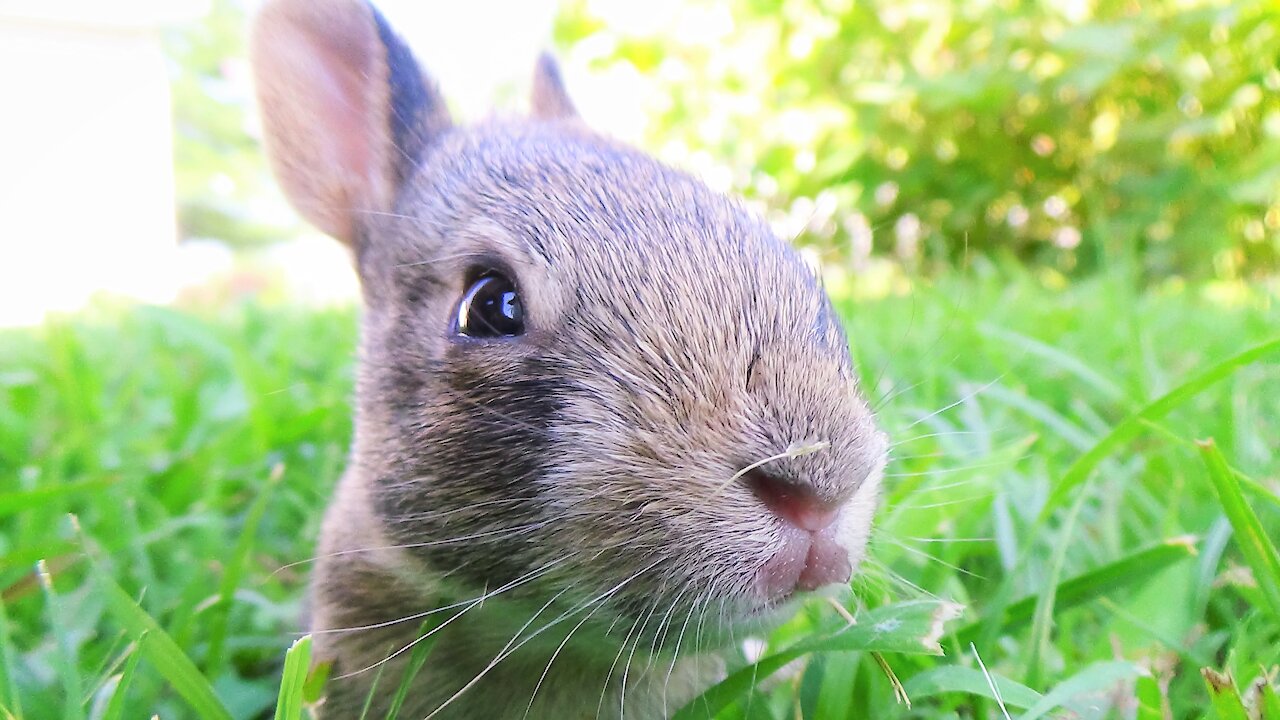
620,231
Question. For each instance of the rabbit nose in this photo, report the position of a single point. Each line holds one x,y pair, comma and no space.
794,503
810,555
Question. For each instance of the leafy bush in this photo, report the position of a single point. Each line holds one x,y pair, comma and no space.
1059,133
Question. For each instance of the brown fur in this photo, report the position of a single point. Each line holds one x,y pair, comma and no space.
579,474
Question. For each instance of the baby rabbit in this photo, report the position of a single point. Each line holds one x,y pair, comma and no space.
606,421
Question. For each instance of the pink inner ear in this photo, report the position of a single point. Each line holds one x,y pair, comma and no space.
322,86
341,104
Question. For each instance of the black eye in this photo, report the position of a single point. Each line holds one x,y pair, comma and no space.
491,309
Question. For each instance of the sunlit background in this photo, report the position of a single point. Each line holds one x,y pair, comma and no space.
1067,134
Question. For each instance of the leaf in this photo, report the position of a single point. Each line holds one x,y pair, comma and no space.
417,658
1126,572
373,690
1150,699
1256,489
839,671
316,679
1268,700
293,680
1042,616
15,502
1132,425
67,659
909,627
958,679
115,708
1224,697
1258,549
234,571
1094,678
1077,367
8,683
160,649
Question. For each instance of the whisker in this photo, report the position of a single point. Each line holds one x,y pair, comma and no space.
604,686
966,482
439,258
502,654
946,471
626,670
660,635
919,456
897,392
940,561
527,577
967,397
897,579
948,540
407,546
945,503
508,649
556,654
948,433
424,636
675,657
411,644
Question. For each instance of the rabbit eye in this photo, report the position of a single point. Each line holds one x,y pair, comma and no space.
491,309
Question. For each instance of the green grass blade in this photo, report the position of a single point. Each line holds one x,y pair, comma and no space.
1070,363
1042,616
1128,571
834,694
958,679
1132,425
909,627
15,502
1258,549
235,571
1223,695
290,702
160,649
417,658
373,690
313,688
1150,699
1269,703
1099,676
1248,484
115,708
1056,423
68,665
9,697
1149,626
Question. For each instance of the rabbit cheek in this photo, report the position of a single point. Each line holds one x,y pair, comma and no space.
465,492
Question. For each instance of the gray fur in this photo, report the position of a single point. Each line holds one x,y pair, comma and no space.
671,340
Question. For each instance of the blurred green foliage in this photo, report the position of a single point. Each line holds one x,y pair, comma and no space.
1067,134
224,191
1071,134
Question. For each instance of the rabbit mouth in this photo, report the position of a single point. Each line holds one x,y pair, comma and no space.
806,561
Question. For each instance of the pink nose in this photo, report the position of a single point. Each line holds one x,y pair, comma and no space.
794,503
811,556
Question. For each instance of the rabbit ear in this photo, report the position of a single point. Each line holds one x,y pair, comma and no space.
345,109
550,99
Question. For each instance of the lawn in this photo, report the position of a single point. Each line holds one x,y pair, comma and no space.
1102,556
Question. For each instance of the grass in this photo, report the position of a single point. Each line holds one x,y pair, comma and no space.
1052,473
